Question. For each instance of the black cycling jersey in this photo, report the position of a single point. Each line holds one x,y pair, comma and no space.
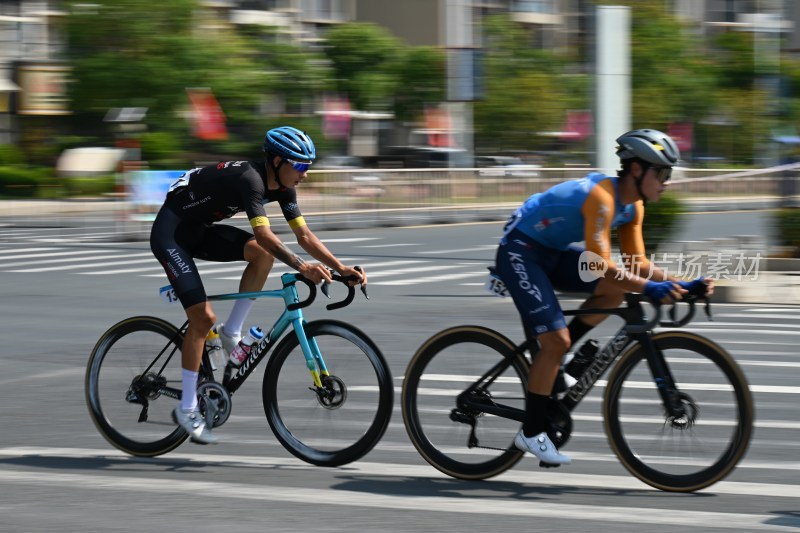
184,228
213,193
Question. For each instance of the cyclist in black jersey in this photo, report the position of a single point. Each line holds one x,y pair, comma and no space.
185,228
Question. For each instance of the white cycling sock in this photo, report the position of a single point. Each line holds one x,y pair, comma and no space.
189,396
241,308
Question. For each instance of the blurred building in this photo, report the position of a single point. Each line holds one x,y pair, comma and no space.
32,79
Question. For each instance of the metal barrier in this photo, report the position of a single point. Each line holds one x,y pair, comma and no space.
350,198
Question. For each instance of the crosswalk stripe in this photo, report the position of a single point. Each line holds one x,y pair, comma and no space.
112,254
15,250
460,250
72,267
431,279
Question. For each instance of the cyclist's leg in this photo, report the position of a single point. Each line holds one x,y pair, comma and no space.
171,241
259,265
524,267
602,293
228,243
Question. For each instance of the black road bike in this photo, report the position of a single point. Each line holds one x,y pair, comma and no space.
677,409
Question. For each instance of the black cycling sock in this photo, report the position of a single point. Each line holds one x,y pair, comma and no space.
577,329
535,414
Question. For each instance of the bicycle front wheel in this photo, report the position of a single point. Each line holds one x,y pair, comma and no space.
460,442
131,390
693,451
344,421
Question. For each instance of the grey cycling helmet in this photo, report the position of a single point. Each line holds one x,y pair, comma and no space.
651,146
290,143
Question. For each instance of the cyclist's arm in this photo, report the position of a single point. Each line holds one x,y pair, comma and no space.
598,211
316,249
270,242
631,243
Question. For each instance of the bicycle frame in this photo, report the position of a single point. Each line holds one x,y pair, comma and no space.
292,316
636,329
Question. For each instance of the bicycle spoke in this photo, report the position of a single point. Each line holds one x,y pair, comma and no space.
681,452
128,403
340,422
457,438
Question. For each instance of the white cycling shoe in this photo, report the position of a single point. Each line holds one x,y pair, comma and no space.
542,447
193,423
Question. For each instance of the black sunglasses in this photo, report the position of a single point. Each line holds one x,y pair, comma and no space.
663,174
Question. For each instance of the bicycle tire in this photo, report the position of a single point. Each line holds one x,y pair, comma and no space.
713,388
442,441
121,355
350,427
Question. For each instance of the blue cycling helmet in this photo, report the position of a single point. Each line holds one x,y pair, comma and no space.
290,143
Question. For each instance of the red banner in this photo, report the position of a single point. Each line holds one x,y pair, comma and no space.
207,117
683,135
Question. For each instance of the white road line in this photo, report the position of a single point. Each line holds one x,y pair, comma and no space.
71,267
431,279
459,250
717,325
386,245
453,503
91,259
403,271
16,249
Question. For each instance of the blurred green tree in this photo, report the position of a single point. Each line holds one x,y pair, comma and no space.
421,74
146,53
366,61
671,77
524,92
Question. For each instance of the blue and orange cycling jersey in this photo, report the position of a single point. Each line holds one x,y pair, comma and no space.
585,209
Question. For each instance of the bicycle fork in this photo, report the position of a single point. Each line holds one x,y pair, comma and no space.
331,390
312,354
678,406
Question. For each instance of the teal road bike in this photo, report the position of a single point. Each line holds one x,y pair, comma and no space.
327,389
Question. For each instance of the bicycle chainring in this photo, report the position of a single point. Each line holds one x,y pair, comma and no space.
214,402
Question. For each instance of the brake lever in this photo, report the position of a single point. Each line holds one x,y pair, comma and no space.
325,288
363,287
708,309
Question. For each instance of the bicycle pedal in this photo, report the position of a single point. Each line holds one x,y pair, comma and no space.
542,464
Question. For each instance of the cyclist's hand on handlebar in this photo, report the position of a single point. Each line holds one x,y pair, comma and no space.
315,272
664,292
700,286
357,273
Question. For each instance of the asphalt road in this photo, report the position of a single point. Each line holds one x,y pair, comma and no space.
57,472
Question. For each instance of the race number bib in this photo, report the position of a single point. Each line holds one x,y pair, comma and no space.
168,295
495,285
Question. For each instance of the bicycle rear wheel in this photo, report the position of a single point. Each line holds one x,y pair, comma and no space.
347,424
694,451
130,405
445,366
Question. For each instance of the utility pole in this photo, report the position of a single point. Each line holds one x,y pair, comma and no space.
612,82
